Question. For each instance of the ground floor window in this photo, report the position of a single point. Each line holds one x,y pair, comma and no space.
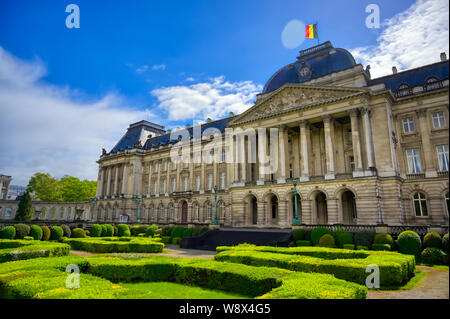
420,204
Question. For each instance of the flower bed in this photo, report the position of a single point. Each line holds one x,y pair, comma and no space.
116,245
25,249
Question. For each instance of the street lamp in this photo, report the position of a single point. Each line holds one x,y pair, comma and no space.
296,221
215,221
139,201
94,201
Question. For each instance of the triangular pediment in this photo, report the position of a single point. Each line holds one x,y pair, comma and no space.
292,97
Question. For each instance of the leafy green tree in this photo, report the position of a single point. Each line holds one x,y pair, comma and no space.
45,187
75,190
24,211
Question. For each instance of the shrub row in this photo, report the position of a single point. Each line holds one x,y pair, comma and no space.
11,250
115,245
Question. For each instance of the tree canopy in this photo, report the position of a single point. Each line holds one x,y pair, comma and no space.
25,210
68,188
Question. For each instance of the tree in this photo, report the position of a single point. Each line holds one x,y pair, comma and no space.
45,187
75,190
25,210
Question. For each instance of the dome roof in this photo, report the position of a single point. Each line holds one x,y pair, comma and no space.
312,63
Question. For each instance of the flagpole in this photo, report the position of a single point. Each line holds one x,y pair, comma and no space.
317,24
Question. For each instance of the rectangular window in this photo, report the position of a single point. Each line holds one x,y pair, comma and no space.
154,187
174,185
413,158
442,154
438,120
291,171
156,167
8,213
408,125
352,163
210,181
186,181
197,183
223,156
164,189
223,180
165,165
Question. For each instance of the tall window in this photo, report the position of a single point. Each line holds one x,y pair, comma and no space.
174,185
8,213
61,213
438,120
154,187
164,186
223,156
420,204
153,212
413,158
223,180
408,125
221,210
291,171
165,165
171,212
196,211
186,181
442,154
208,210
53,213
116,215
210,181
156,166
108,213
69,213
197,183
161,212
44,213
352,163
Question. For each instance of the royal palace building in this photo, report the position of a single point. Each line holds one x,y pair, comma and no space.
357,150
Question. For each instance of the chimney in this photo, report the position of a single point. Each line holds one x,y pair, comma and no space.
394,70
231,114
208,120
443,56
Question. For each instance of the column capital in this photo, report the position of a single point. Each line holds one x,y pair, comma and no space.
303,123
353,112
282,127
365,110
327,117
421,112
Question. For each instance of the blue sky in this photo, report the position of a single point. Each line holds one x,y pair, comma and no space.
69,92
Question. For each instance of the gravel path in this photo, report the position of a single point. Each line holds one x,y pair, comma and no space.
435,285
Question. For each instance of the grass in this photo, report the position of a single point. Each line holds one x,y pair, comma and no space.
439,267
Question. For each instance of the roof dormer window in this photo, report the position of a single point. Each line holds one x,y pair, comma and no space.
432,83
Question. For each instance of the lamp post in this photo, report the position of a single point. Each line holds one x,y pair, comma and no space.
94,201
296,221
139,201
215,221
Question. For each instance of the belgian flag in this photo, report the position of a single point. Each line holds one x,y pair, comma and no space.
311,31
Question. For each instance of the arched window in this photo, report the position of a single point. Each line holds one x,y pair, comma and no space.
153,212
222,210
61,213
108,213
53,213
161,211
208,210
420,204
171,212
44,213
403,90
116,213
196,211
69,213
432,83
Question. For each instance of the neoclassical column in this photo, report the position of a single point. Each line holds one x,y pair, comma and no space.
191,172
99,182
281,154
236,159
108,181
304,149
150,171
243,159
262,153
158,182
124,178
356,142
202,176
329,147
116,181
365,113
429,169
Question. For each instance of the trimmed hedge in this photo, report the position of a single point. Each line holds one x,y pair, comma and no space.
432,240
360,247
342,238
123,230
299,234
432,256
177,231
176,240
66,229
96,230
107,230
326,240
409,243
301,243
166,231
46,233
445,243
57,233
349,246
78,233
8,232
317,233
364,238
381,247
22,230
188,232
11,250
36,232
151,230
383,239
166,239
115,245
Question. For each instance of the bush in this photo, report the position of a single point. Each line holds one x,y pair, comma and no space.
138,229
177,231
317,233
36,232
46,233
364,238
123,230
66,229
166,239
301,243
188,232
203,230
78,233
381,247
28,238
29,248
362,247
57,233
432,256
343,238
445,243
107,230
8,232
176,240
166,231
432,240
116,245
22,230
116,231
299,234
383,239
151,230
96,230
409,243
349,246
327,240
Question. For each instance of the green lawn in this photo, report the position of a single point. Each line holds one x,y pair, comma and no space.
169,290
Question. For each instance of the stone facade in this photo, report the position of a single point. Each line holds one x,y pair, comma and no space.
5,181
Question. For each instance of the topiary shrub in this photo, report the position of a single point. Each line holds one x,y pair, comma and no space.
78,233
96,230
301,243
317,233
361,247
176,240
166,231
57,233
364,238
46,233
22,230
432,240
36,232
432,256
342,238
151,230
107,230
327,240
188,232
177,231
28,238
116,231
381,247
8,232
166,239
409,243
445,243
123,230
383,238
349,246
66,230
299,234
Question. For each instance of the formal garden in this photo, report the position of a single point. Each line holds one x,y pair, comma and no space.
129,262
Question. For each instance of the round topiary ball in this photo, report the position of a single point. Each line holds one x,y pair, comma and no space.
445,243
96,230
78,233
409,243
383,239
123,230
432,240
36,232
46,233
327,240
364,238
108,230
432,256
57,233
22,230
116,231
8,232
299,234
317,233
66,230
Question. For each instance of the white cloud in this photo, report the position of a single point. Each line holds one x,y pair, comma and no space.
159,67
46,128
141,69
410,39
214,98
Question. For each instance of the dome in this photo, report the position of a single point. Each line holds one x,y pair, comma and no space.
312,63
